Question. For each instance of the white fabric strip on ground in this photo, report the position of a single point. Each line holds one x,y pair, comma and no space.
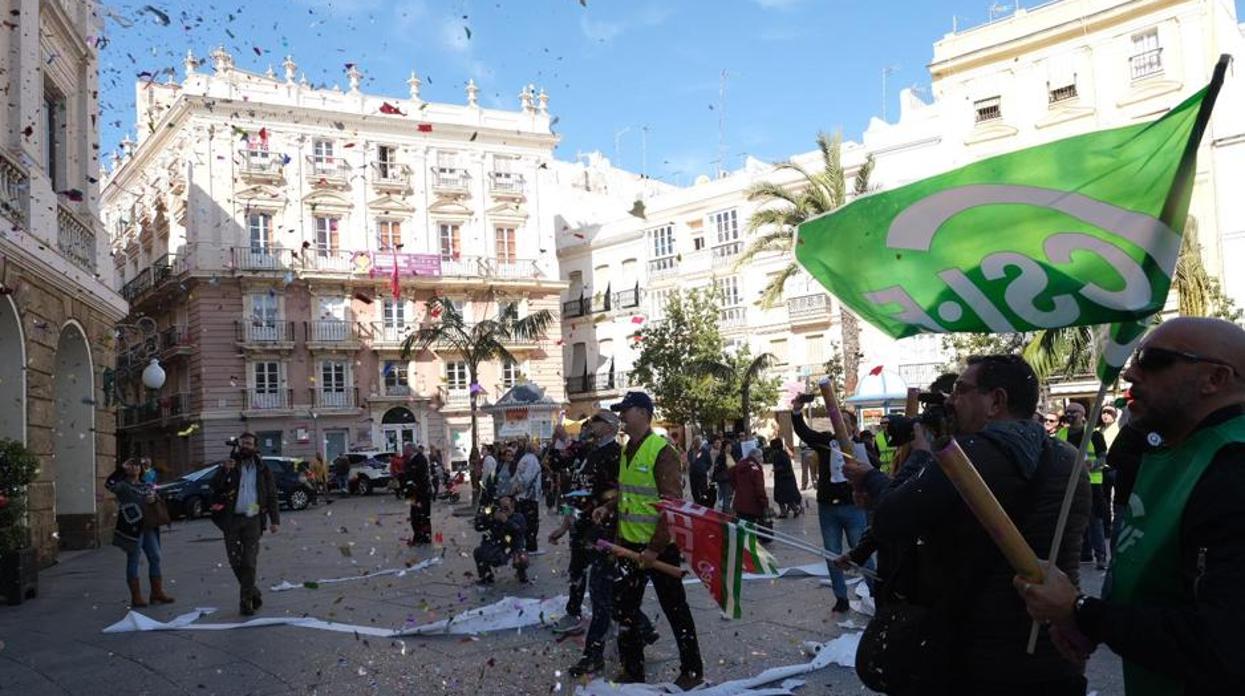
287,585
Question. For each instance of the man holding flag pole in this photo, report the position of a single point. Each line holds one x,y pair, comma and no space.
1092,226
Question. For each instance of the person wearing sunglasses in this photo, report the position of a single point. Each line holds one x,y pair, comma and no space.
1175,606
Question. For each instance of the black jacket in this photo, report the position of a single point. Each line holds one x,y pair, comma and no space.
959,569
225,491
418,481
1199,641
827,492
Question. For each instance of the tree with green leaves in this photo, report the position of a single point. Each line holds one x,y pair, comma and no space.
748,373
963,345
477,343
687,333
817,193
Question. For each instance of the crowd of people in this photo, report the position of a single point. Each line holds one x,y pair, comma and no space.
1158,504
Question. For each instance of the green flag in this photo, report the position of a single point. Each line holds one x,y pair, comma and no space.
1084,230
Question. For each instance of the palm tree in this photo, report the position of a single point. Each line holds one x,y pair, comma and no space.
819,192
1070,349
725,370
477,343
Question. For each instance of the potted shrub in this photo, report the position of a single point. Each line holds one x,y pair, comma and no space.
18,562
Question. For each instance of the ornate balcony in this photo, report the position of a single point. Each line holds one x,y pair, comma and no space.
266,333
14,188
269,399
809,309
262,165
733,317
598,383
331,333
75,239
390,176
262,258
450,179
331,172
344,398
506,185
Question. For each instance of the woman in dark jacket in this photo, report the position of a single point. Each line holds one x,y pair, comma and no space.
132,535
786,490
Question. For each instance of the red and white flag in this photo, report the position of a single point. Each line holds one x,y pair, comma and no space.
718,548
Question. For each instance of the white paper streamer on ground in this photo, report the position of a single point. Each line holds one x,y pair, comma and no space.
509,612
840,651
812,570
864,605
287,585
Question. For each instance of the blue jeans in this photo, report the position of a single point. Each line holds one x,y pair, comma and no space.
601,578
148,543
837,520
726,495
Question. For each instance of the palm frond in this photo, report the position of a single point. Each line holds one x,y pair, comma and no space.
771,296
778,240
767,190
1060,351
831,154
861,185
534,326
758,365
711,368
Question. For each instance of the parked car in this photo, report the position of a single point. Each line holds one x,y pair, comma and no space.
369,470
191,495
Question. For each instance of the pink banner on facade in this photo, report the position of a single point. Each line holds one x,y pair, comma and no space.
408,264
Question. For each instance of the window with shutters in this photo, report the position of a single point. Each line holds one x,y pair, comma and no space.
509,373
728,288
388,235
662,240
260,227
988,109
451,241
505,244
322,151
326,233
1147,56
456,375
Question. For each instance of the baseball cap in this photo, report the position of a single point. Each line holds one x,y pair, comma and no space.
634,398
607,417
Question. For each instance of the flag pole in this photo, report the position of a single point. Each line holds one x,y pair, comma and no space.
836,416
624,552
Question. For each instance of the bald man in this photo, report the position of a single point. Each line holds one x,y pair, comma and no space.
1175,599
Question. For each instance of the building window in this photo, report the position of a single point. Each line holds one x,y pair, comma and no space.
333,382
698,243
728,288
509,373
659,299
988,109
260,226
447,160
265,310
1147,57
778,348
396,377
54,135
322,152
663,248
267,384
387,161
393,313
451,241
505,243
456,375
326,234
388,235
815,349
1060,94
726,226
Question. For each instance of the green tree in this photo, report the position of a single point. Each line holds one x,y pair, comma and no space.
687,334
962,345
743,373
477,343
816,193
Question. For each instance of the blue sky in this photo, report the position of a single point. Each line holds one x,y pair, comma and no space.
618,72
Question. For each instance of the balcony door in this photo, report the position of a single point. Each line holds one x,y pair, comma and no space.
333,391
393,320
265,324
331,324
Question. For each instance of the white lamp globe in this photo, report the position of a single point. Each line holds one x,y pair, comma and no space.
153,375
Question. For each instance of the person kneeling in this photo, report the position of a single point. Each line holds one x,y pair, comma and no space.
503,542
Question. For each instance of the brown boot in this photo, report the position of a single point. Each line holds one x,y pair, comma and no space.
157,591
136,593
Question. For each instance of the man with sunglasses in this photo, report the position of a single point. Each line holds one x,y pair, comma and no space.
972,635
1173,605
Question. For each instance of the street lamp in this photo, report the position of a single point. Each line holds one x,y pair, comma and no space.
153,375
144,348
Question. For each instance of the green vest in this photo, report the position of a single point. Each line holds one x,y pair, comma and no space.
886,453
637,487
1146,567
1095,473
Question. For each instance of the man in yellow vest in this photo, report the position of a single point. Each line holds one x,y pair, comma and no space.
1094,546
647,472
1173,606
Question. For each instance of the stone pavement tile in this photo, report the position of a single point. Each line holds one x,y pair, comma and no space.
18,678
238,678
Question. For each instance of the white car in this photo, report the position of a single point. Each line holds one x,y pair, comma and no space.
369,469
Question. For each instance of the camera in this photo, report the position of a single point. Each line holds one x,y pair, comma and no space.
933,417
803,399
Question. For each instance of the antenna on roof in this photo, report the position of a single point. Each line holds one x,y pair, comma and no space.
721,123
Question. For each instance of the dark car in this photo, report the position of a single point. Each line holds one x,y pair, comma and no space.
191,495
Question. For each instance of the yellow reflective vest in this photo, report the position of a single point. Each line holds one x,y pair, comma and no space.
637,488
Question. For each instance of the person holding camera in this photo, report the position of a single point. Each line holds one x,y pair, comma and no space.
138,529
245,495
504,530
949,620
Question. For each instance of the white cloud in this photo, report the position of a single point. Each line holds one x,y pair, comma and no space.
600,30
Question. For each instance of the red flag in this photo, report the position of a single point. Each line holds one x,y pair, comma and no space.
717,549
876,371
263,138
387,108
424,128
394,285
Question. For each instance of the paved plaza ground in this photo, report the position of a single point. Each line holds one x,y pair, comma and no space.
54,645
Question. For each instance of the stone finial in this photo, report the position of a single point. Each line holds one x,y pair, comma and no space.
222,60
291,68
355,76
270,74
525,98
543,99
302,80
190,62
414,82
473,93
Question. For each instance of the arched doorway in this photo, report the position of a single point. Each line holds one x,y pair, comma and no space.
73,449
399,426
12,373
